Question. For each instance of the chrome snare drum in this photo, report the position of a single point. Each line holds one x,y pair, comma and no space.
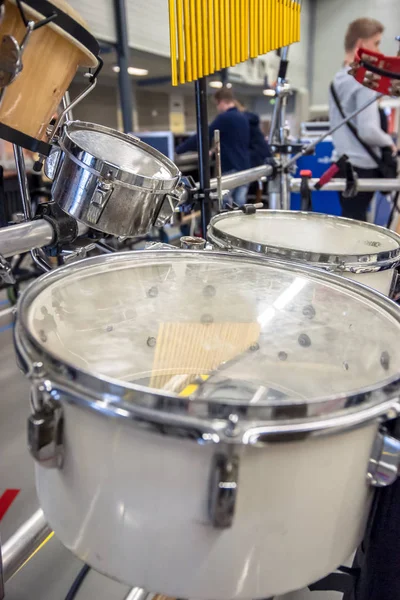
111,181
361,251
207,425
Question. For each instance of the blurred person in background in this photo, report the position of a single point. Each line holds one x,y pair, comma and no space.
363,139
235,140
259,149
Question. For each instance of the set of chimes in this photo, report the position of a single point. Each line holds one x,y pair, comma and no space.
209,35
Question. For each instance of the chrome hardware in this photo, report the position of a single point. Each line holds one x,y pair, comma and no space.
223,490
45,429
6,273
51,163
10,60
217,137
101,196
189,242
385,460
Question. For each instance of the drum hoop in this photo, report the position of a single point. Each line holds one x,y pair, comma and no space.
68,26
353,263
116,398
67,145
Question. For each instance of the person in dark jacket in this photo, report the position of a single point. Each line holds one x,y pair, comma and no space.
259,148
235,140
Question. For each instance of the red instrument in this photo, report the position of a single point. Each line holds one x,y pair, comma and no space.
378,72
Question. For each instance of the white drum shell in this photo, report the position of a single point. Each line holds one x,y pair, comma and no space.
133,505
381,281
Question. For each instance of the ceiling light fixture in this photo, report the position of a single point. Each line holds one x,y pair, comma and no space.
270,93
216,84
132,71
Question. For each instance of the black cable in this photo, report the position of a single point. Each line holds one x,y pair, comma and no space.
73,590
394,209
382,72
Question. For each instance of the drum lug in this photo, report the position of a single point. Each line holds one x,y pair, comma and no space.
385,460
102,194
223,490
45,431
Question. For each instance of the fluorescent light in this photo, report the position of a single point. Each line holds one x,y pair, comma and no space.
132,71
269,92
216,84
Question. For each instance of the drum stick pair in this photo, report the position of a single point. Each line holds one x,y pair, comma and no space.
209,35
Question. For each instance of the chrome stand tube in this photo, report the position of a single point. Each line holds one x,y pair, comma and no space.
339,185
139,594
23,182
25,541
37,255
229,182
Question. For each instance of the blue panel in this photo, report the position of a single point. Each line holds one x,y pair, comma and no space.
324,202
160,143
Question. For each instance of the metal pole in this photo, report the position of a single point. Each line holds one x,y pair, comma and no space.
279,89
229,182
23,182
25,542
217,138
125,85
311,147
66,101
339,185
203,148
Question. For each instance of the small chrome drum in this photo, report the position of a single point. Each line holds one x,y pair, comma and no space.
37,67
206,425
111,181
361,251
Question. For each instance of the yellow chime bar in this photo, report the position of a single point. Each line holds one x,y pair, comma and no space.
209,35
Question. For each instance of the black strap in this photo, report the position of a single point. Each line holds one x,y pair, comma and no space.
353,129
25,141
67,23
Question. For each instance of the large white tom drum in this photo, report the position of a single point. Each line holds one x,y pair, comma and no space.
361,251
206,425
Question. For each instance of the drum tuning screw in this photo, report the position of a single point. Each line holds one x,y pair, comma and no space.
304,340
206,319
153,292
282,355
309,311
42,336
232,427
151,342
38,369
109,328
385,360
209,291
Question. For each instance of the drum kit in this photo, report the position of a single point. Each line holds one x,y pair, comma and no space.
205,423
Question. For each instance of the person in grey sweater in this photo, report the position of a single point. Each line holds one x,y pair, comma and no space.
352,95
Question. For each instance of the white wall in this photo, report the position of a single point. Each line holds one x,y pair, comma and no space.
332,19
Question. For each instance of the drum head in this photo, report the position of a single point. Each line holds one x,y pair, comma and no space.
227,329
311,237
125,152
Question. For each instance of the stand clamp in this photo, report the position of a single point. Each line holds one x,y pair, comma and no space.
65,227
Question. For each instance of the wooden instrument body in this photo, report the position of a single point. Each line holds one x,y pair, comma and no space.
50,61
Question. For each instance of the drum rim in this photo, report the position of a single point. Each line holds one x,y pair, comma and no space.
87,44
113,397
122,177
353,263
